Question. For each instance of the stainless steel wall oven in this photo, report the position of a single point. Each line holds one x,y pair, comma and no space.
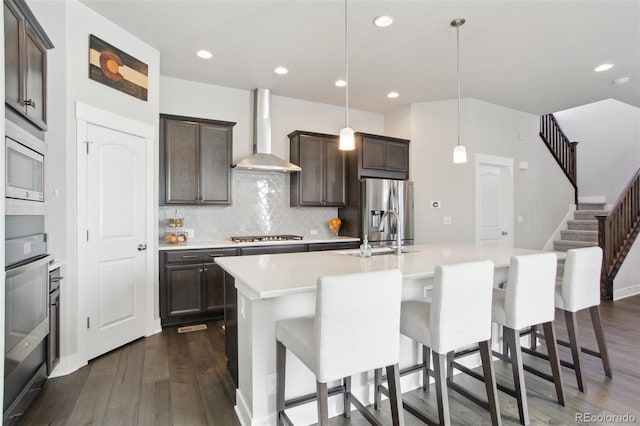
26,315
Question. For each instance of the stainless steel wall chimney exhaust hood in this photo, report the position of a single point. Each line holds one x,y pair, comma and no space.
262,159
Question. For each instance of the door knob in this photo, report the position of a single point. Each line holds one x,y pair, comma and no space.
505,233
142,247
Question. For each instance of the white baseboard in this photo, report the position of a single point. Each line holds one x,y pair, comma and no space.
561,227
68,364
626,292
153,328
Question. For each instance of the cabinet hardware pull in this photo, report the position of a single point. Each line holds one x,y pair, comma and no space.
216,254
29,102
205,269
191,256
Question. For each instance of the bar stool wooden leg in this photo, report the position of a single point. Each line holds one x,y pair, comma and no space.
442,396
450,356
490,382
554,359
345,396
602,346
512,340
533,337
426,359
377,382
576,348
395,398
323,404
281,358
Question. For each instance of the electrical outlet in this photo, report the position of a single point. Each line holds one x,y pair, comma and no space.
446,220
520,219
272,384
426,292
242,310
191,233
313,232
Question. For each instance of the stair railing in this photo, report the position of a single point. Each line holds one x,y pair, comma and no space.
617,231
562,149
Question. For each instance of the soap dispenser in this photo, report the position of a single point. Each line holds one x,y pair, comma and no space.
365,248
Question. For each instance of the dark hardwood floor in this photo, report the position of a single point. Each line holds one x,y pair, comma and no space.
181,379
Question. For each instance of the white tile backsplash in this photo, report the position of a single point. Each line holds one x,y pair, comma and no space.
260,205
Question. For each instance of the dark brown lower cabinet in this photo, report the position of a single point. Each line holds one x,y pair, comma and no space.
191,286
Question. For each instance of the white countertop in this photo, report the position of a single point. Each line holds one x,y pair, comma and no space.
268,276
227,243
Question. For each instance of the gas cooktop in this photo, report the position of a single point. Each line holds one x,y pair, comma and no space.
264,238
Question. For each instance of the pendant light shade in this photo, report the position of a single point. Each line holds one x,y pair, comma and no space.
347,139
459,152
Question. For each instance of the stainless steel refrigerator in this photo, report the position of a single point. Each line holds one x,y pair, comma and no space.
376,197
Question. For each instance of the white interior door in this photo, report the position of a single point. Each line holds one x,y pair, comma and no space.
494,201
116,239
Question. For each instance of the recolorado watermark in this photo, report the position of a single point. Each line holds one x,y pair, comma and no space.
605,418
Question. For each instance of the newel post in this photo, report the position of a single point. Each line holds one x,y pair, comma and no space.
573,155
606,284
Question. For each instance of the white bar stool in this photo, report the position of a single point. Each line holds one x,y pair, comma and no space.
355,329
580,289
458,315
528,300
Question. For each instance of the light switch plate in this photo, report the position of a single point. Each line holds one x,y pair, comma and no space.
446,220
313,232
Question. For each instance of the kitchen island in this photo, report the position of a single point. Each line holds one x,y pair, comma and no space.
274,287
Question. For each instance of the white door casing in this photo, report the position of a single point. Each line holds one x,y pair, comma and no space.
494,201
115,216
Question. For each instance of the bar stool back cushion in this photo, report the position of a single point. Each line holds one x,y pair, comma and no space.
461,305
528,298
580,287
357,323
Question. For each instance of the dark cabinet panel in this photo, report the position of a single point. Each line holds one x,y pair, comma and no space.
215,164
26,46
191,285
195,161
321,182
380,157
182,161
184,289
214,291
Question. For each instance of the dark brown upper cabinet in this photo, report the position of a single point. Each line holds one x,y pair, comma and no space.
195,161
322,181
381,156
25,45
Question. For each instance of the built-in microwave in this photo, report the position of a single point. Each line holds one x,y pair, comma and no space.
24,165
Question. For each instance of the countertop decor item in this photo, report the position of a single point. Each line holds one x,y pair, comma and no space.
176,234
334,226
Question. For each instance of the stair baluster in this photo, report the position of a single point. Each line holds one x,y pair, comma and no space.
617,231
562,149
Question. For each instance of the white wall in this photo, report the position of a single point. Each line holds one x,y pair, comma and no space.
69,23
192,99
542,193
608,136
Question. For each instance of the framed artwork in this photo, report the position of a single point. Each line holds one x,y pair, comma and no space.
117,69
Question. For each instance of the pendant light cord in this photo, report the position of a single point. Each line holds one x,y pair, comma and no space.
458,75
346,65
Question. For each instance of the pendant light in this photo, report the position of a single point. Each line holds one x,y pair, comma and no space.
347,139
459,152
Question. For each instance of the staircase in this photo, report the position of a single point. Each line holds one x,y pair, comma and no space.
582,231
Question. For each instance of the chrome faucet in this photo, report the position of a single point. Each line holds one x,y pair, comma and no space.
381,229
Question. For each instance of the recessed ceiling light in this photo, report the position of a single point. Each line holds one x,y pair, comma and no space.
204,54
620,81
603,67
383,21
281,70
340,83
392,95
